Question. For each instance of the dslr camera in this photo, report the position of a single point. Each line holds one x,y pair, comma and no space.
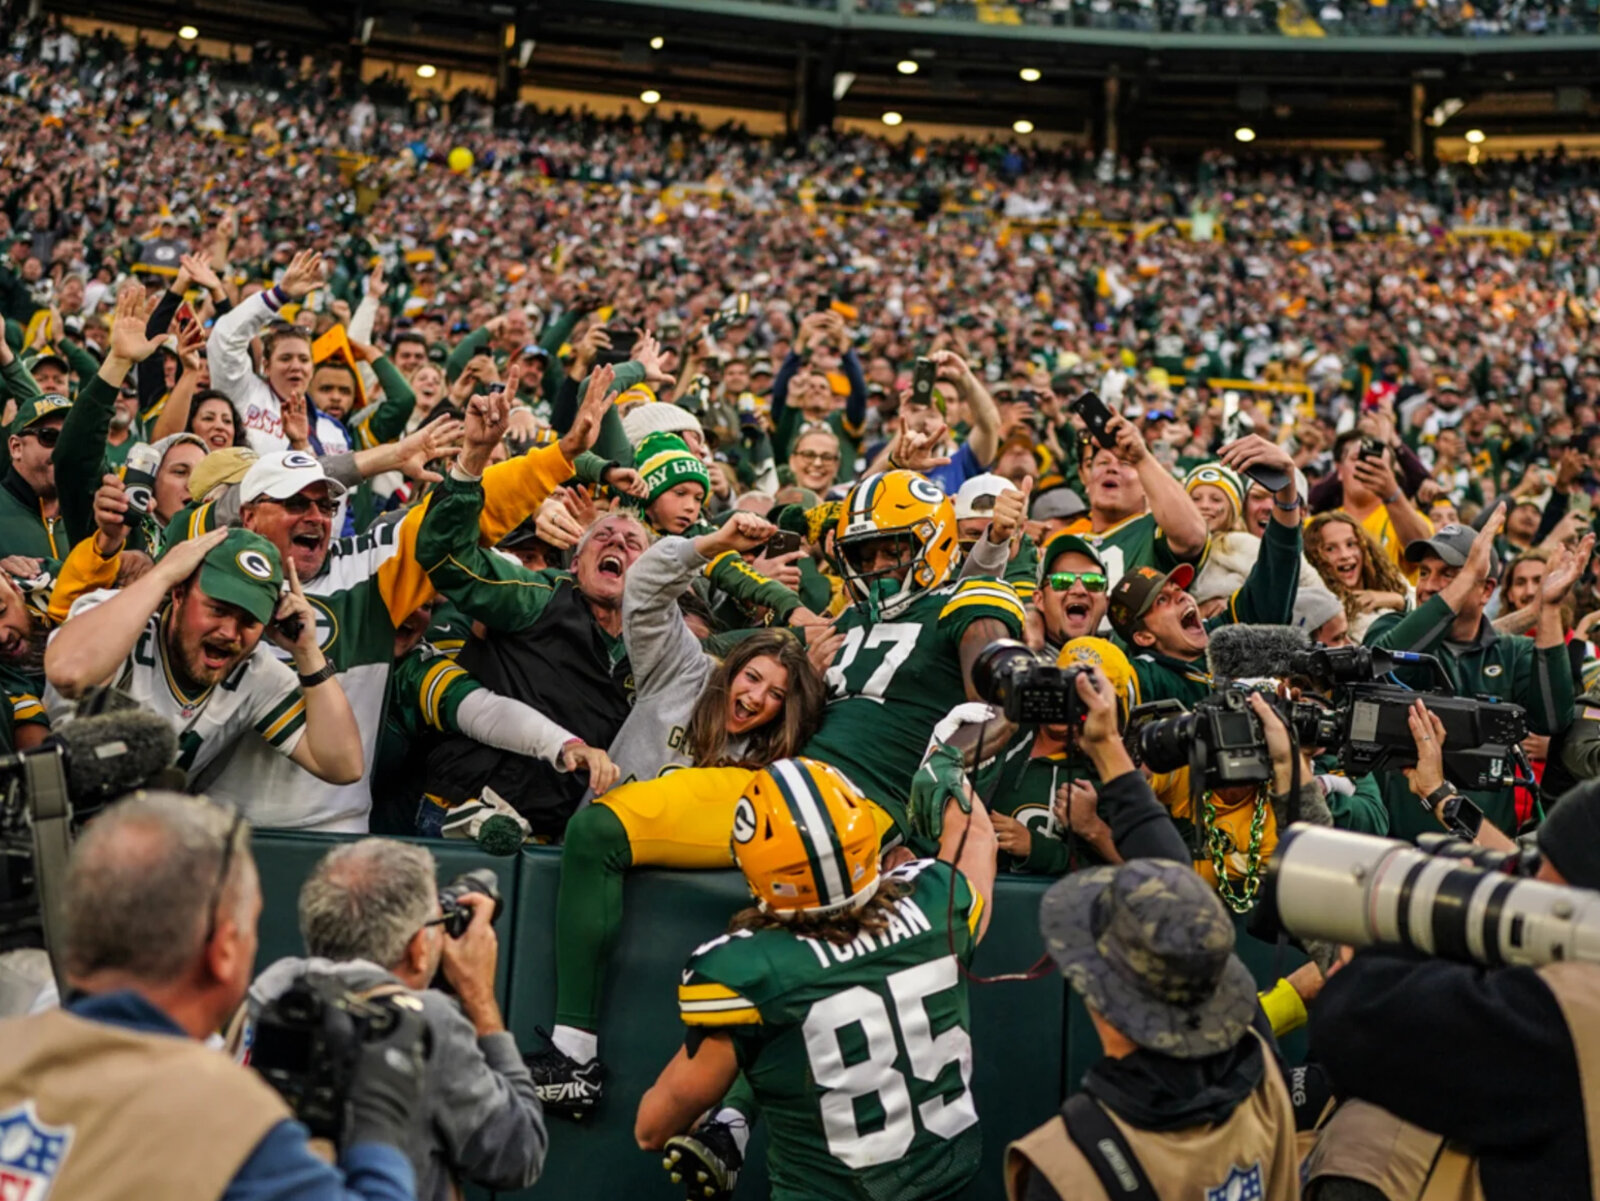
1028,689
307,1044
1222,733
457,916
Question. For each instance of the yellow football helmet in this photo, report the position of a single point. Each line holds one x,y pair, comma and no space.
805,839
910,509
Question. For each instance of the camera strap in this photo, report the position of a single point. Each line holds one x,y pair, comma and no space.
1112,1160
50,817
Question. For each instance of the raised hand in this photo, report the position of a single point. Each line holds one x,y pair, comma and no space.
586,425
434,441
296,422
127,327
1566,565
303,275
198,268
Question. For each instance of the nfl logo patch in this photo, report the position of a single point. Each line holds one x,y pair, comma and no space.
1242,1184
30,1154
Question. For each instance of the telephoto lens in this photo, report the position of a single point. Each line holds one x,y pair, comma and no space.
1365,891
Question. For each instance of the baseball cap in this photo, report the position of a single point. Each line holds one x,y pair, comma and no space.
977,496
244,569
1452,543
1149,947
1136,591
285,473
761,367
1060,544
37,408
1057,504
225,466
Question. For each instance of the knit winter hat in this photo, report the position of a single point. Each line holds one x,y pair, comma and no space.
665,461
657,417
1218,476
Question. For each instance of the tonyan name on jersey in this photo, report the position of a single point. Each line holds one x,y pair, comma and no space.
861,1053
258,697
892,682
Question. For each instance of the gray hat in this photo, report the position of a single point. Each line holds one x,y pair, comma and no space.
1452,543
1057,504
658,417
1150,948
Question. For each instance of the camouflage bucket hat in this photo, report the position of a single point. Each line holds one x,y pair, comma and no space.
1150,948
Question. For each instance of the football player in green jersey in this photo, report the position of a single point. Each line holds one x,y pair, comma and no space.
798,996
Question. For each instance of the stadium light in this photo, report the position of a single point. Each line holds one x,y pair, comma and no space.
906,66
657,42
427,71
1475,136
892,118
1022,125
1029,74
188,33
1244,134
650,96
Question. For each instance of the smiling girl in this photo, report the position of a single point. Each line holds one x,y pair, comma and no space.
1361,575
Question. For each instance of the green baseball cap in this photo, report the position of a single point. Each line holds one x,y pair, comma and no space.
38,408
1059,544
244,569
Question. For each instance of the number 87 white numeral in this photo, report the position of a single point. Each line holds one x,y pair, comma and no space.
877,1074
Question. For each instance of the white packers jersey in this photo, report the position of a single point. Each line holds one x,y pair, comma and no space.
260,695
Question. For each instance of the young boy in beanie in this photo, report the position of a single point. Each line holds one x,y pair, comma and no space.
677,485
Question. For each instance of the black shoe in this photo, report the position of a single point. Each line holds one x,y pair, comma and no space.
565,1086
706,1161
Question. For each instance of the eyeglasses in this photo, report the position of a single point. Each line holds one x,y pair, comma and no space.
815,456
222,875
48,436
299,506
1061,581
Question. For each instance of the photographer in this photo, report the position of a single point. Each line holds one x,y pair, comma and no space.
1391,1027
1457,571
1160,622
119,1095
370,915
1188,1091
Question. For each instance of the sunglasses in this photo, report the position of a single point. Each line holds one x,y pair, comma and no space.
222,875
299,506
48,436
1093,581
815,456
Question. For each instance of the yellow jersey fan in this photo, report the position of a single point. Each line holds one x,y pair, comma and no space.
894,521
805,839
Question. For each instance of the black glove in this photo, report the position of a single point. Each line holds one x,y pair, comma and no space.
387,1091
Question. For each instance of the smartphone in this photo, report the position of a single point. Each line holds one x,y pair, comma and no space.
784,542
824,303
1096,416
621,348
923,376
290,627
1371,448
185,317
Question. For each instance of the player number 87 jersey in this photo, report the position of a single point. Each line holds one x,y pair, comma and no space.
860,1055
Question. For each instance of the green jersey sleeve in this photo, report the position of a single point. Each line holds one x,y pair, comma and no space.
982,598
715,986
430,687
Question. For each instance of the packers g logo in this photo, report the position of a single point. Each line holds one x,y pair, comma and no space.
1493,670
926,491
744,821
254,564
299,460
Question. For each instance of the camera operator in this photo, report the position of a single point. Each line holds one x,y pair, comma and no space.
118,1095
1161,623
1457,571
370,916
1188,1092
1494,1060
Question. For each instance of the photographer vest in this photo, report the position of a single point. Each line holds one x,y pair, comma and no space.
1363,1142
1252,1154
94,1112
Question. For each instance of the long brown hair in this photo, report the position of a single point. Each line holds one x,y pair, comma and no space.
780,738
840,928
1378,572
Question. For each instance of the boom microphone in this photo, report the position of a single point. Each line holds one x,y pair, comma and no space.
107,755
1242,652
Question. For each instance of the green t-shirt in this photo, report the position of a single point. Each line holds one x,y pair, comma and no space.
860,1103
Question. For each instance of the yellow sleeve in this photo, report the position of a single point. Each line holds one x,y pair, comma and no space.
512,491
1284,1008
82,571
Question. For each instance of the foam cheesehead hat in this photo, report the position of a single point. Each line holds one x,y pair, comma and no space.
665,460
244,569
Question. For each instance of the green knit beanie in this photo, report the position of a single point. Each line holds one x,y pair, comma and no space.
665,461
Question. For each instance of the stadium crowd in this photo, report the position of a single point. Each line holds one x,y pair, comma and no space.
626,485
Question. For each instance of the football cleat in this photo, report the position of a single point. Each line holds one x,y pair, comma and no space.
564,1085
706,1161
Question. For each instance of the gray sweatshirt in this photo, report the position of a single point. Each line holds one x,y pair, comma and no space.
481,1121
670,668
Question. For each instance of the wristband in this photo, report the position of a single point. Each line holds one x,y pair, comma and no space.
1281,507
321,675
1443,792
1392,497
